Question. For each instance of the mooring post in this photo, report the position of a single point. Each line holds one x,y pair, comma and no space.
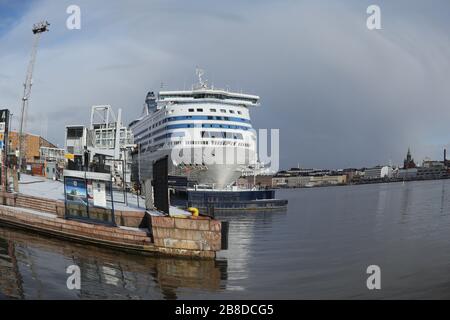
15,180
148,194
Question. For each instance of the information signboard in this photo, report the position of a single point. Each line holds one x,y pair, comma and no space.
4,123
99,193
86,196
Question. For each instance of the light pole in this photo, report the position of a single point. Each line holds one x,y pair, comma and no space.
139,165
4,115
139,172
10,121
7,147
124,169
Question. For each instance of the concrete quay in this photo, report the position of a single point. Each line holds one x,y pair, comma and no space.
141,232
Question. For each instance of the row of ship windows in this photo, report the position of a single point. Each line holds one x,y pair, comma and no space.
191,125
221,135
152,148
204,134
217,143
174,143
206,125
178,118
214,110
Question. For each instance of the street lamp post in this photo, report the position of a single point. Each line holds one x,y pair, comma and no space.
125,167
139,165
138,193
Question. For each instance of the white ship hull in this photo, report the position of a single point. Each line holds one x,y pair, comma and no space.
218,175
206,133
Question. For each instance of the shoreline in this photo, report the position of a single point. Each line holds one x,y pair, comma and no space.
381,181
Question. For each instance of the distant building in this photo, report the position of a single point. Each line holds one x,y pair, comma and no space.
279,182
320,172
262,181
33,145
301,177
433,172
407,174
429,170
53,161
427,163
408,163
353,174
378,172
432,169
52,154
299,171
298,181
327,180
308,181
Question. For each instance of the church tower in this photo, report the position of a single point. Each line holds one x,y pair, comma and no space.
408,163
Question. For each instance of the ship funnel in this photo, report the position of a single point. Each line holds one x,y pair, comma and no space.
150,101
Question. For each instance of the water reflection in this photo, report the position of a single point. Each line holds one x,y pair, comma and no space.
319,249
405,201
32,266
443,199
10,278
247,231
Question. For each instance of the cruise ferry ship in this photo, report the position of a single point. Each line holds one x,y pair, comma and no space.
205,132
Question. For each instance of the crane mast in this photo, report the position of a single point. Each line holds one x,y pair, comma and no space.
38,29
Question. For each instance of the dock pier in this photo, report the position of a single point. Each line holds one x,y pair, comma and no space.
143,232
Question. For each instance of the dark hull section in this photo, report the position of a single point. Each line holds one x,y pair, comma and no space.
211,202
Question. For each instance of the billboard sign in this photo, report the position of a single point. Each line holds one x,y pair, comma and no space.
4,121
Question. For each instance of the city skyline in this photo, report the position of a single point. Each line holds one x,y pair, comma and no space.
341,95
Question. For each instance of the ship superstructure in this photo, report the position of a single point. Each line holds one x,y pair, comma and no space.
205,132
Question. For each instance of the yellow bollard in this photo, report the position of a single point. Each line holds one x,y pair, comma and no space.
194,211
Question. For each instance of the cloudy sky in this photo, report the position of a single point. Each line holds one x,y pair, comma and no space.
341,95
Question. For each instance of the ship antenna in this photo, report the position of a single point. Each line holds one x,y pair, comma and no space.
200,73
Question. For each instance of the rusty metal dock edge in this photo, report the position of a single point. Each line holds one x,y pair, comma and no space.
194,237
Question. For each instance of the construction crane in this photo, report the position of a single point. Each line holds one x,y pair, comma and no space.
38,29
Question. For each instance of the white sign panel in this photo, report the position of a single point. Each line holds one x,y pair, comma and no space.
2,127
99,194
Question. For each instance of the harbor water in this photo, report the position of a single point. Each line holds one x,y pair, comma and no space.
319,248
